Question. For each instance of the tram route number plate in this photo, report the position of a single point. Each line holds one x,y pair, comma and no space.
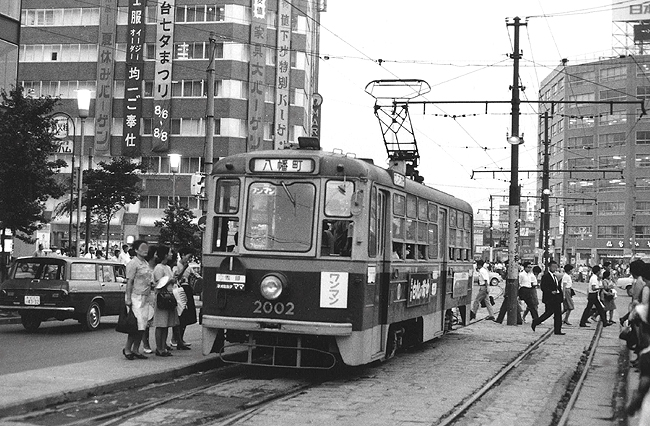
32,300
231,282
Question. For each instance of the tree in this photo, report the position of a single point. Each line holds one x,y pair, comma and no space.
109,188
27,175
176,227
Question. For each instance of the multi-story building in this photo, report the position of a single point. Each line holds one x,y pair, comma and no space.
145,63
609,218
9,40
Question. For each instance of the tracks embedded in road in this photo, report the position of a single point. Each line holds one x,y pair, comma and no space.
496,384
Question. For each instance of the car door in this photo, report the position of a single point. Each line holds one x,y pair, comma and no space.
112,287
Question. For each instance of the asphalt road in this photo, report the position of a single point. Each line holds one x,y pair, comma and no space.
56,343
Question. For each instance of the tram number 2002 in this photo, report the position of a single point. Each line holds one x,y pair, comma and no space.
277,307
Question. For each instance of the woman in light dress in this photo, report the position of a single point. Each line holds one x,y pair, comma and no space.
567,289
136,297
163,318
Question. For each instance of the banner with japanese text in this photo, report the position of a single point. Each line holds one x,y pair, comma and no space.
282,75
131,141
256,76
105,75
162,96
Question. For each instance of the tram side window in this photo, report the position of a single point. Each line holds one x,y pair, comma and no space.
227,199
337,238
226,234
433,241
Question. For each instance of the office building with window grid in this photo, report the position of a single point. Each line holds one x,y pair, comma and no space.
598,215
145,63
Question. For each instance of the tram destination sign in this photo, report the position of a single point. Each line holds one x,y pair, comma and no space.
421,288
231,282
282,165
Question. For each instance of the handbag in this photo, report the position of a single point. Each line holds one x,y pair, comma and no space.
127,322
573,292
165,301
629,335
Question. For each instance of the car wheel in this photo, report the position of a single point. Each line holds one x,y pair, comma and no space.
92,318
494,281
30,322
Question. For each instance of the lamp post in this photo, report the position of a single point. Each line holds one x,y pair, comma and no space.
83,105
174,166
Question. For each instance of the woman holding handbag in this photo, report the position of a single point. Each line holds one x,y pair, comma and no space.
165,315
136,297
184,271
608,295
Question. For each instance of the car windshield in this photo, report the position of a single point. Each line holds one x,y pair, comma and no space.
280,216
39,269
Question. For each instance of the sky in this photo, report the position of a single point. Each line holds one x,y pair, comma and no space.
461,49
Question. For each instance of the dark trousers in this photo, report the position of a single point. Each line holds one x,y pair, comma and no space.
552,308
526,294
504,309
593,301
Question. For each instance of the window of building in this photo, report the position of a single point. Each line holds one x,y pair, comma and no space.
580,209
580,142
611,185
617,117
642,207
580,163
579,78
609,140
612,95
643,92
643,137
578,231
200,13
611,208
580,186
642,70
642,183
613,74
642,231
642,160
611,231
611,161
580,122
73,17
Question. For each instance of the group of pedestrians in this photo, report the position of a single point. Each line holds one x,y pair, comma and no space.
557,295
151,274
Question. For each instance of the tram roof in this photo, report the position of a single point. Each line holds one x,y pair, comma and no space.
329,166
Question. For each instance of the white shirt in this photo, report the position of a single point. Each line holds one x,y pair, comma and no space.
124,258
89,255
483,276
567,282
594,284
524,280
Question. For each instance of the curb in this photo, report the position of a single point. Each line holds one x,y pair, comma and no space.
40,403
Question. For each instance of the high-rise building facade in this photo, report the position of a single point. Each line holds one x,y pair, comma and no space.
145,63
602,214
9,41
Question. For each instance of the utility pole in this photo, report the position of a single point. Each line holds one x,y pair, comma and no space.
209,123
512,283
546,214
491,229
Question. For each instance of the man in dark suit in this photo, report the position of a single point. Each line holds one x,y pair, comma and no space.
552,298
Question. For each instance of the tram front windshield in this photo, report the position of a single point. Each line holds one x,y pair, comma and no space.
280,216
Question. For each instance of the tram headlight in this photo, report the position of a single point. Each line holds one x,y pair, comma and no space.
271,287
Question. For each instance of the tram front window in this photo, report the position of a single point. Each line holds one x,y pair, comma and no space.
280,216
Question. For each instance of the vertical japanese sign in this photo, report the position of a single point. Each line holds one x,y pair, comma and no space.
162,97
256,76
131,143
282,75
334,290
105,75
317,101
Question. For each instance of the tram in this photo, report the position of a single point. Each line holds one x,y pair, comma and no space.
312,258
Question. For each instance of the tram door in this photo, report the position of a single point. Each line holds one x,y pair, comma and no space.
379,271
445,276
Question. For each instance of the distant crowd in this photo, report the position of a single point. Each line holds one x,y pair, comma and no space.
114,253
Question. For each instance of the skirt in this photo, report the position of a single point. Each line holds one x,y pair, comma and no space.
142,309
164,317
568,300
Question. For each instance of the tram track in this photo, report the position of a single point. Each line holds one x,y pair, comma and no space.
564,406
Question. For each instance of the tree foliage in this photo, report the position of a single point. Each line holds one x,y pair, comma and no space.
177,229
111,186
27,176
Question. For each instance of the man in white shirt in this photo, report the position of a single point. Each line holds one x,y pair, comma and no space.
482,296
526,289
592,299
90,254
124,257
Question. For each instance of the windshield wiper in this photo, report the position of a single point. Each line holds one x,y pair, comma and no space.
288,193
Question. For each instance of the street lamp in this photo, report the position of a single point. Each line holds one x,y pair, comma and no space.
83,105
174,165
